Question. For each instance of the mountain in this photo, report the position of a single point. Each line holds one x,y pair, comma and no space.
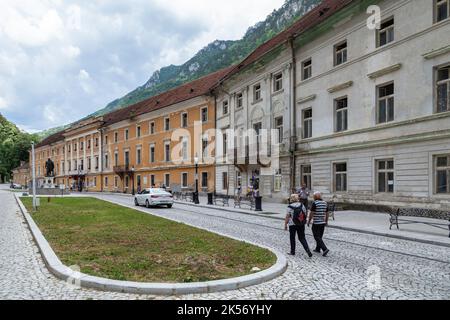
14,146
215,56
46,133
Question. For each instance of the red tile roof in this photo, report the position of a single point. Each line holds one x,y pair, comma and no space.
182,93
311,19
56,137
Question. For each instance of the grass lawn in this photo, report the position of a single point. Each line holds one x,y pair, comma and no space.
115,242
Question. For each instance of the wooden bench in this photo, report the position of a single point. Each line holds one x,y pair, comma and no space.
396,220
187,196
248,201
221,199
177,195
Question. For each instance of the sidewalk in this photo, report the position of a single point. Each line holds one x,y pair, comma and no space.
356,221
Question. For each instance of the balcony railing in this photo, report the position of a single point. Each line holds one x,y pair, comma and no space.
122,169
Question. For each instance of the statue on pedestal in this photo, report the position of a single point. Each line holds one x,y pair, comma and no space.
50,168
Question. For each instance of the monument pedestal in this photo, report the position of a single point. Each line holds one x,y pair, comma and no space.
48,188
49,183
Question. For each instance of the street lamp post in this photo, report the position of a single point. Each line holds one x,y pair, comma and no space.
34,176
196,200
132,181
80,182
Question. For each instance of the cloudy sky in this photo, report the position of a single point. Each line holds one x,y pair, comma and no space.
61,60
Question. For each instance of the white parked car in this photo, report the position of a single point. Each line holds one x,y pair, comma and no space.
153,197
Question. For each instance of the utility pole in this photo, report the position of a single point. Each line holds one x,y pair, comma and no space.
34,176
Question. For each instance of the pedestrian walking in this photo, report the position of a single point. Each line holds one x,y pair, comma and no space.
319,216
303,193
295,221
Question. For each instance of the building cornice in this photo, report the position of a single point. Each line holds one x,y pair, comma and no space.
375,52
422,137
340,87
435,116
436,53
385,71
306,99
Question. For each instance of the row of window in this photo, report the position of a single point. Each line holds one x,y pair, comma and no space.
152,153
81,143
167,127
383,36
385,172
184,124
257,94
385,104
152,180
73,165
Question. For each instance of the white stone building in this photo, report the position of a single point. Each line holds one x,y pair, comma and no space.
372,106
258,99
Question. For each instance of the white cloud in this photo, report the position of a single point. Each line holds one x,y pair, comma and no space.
3,104
62,60
32,30
28,129
74,17
85,81
50,113
84,75
71,52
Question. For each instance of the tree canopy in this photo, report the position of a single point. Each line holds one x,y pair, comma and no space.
14,147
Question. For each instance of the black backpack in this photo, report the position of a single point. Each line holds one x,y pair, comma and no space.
299,216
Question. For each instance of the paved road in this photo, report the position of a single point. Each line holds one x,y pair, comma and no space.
407,270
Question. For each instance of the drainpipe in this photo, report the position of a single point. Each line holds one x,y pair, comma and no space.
101,159
293,142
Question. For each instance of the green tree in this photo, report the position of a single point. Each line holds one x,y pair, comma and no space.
14,147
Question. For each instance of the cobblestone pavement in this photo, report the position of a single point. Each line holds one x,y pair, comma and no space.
408,270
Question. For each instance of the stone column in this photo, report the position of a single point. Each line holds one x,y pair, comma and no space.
92,151
84,153
78,153
100,153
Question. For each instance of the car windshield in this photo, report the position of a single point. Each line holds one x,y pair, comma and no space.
158,191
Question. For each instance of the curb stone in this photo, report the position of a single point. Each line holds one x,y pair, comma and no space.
62,272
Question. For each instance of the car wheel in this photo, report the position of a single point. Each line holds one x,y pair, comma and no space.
169,206
136,203
147,204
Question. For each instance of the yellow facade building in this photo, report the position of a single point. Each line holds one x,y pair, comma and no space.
21,174
156,142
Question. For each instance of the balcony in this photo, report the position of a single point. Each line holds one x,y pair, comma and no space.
242,161
122,170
